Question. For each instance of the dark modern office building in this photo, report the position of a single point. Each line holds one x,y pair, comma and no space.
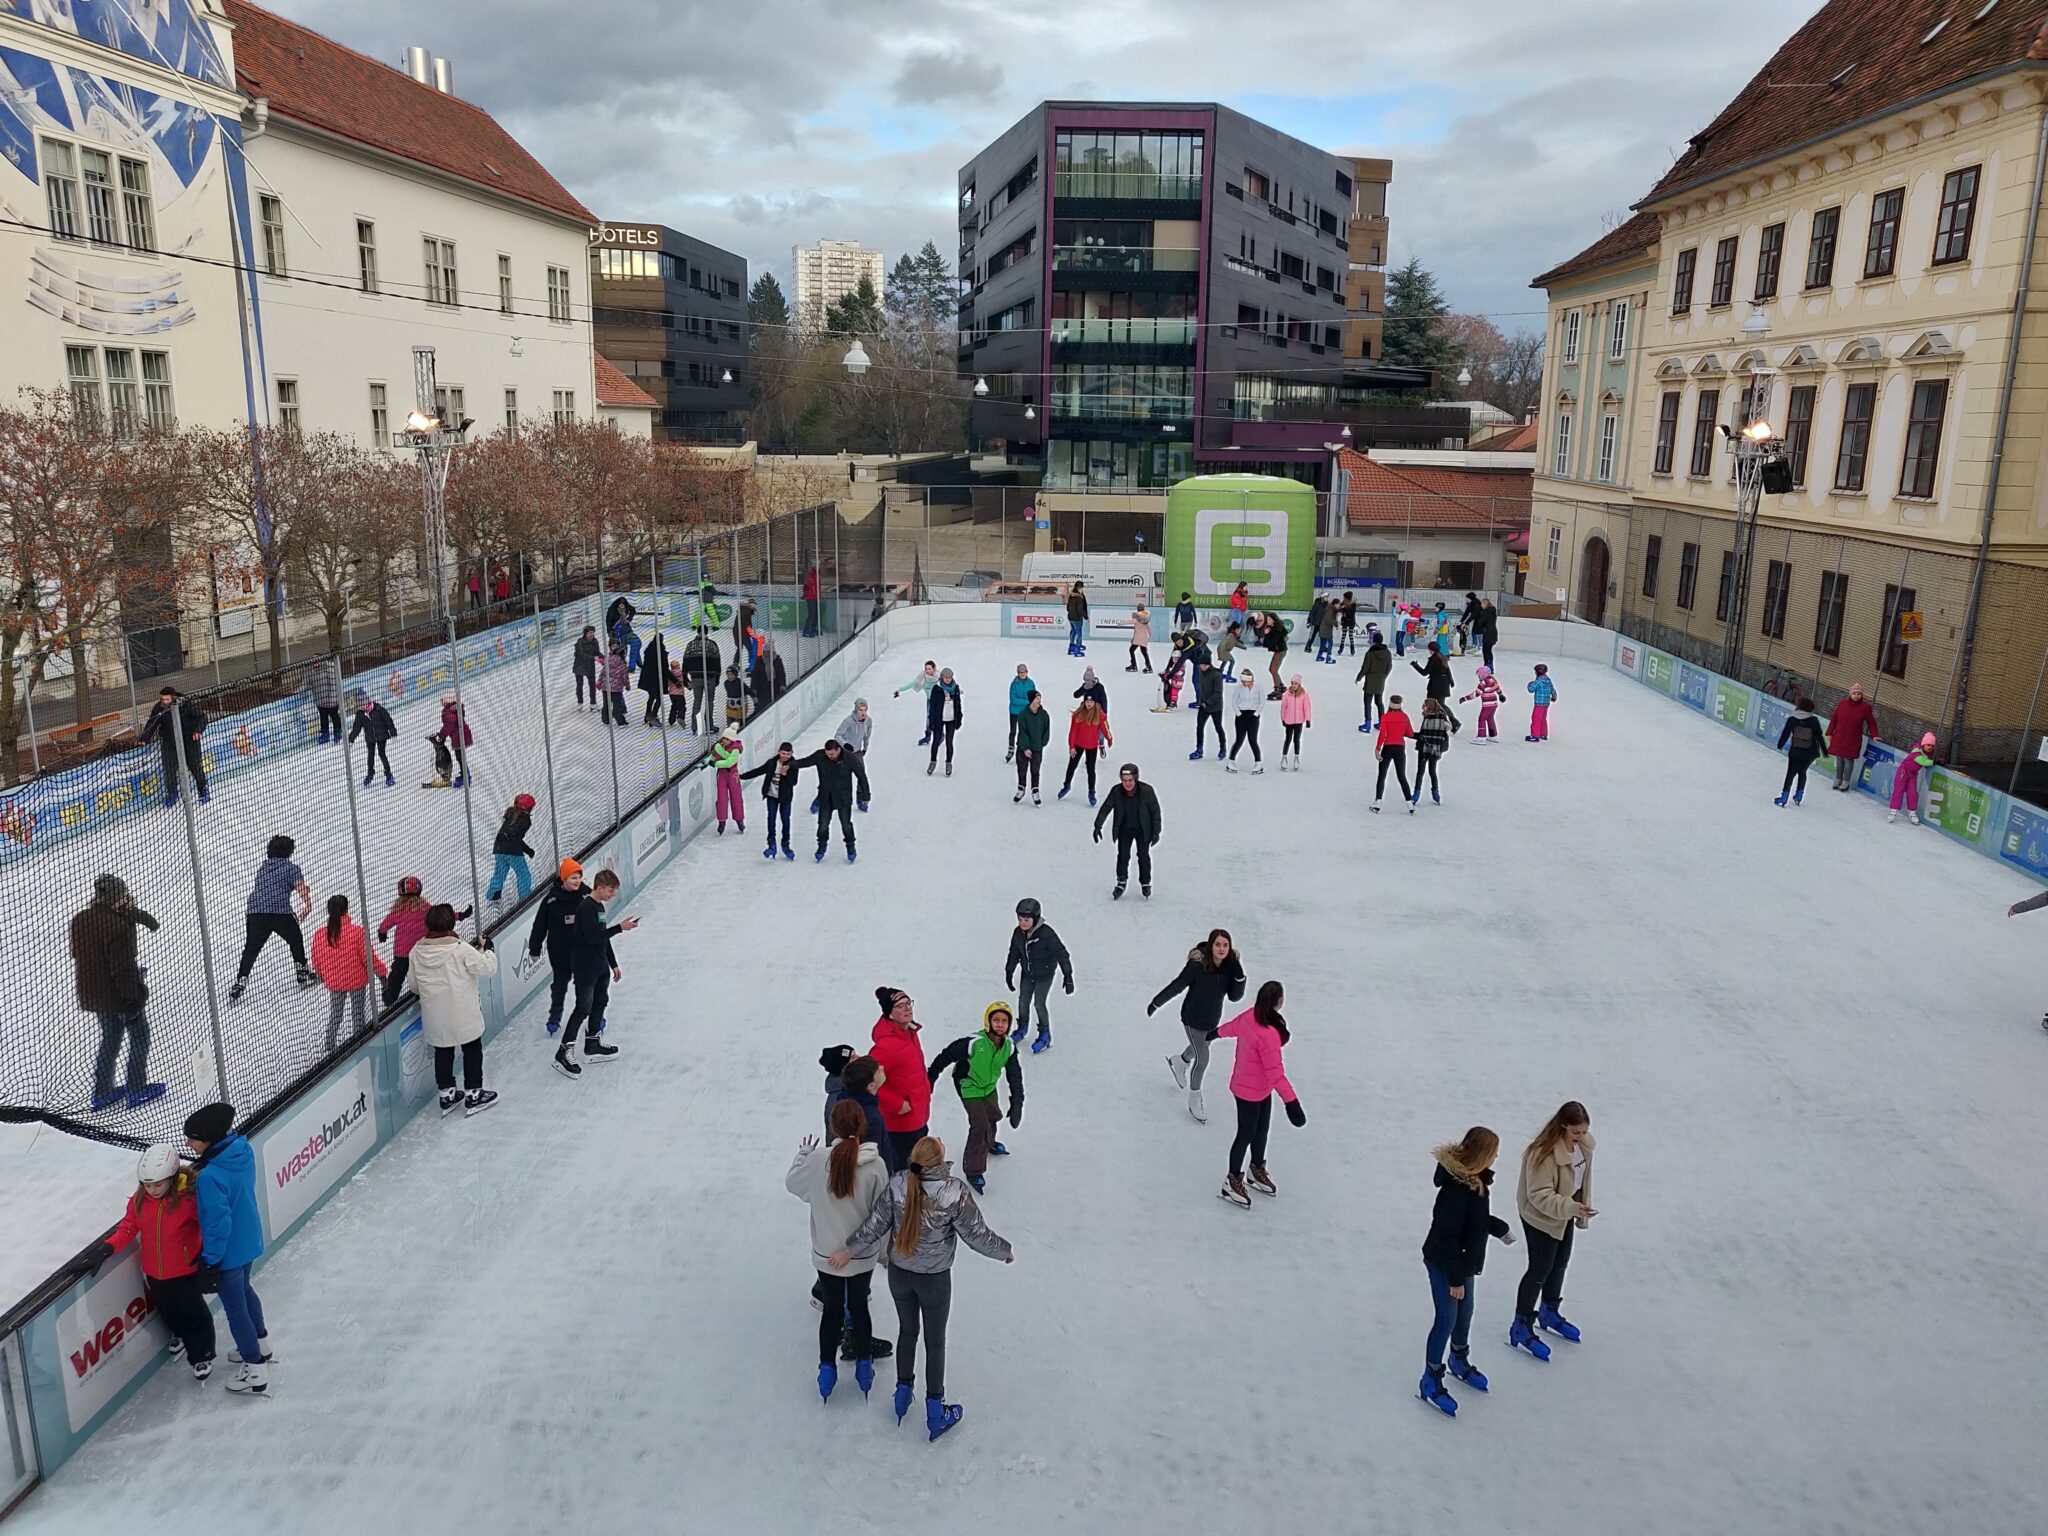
1155,289
670,313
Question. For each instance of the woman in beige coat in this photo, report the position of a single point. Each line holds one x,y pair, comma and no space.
444,973
1554,1195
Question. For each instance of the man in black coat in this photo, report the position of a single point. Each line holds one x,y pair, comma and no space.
110,987
158,729
1132,811
654,676
839,773
705,669
1208,705
1487,628
593,967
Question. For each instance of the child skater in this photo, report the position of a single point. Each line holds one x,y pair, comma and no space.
509,850
1391,749
1906,779
1544,692
1256,1074
1297,714
163,1214
1454,1253
1432,741
1170,676
1487,690
725,760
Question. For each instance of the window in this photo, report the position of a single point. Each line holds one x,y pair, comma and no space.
440,255
1667,433
60,184
137,207
102,219
1617,331
159,406
380,417
1724,274
1256,185
288,404
1827,619
1799,430
1688,574
82,374
1855,444
366,256
1681,283
512,410
1725,597
1561,463
1882,253
1556,538
270,214
1891,646
1923,437
1610,425
1777,588
448,403
565,405
124,402
504,284
1820,247
1703,433
1770,255
1958,208
1653,557
1572,321
558,293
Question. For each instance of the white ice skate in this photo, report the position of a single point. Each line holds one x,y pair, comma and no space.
1179,1069
1196,1107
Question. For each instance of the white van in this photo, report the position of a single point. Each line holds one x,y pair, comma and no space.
1112,579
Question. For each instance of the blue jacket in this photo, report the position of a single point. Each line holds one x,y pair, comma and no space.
230,1232
1021,689
1544,689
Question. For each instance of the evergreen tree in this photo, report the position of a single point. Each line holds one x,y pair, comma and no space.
1416,336
920,290
766,306
858,313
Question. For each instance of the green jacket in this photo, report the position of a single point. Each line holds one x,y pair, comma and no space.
1034,729
978,1064
722,758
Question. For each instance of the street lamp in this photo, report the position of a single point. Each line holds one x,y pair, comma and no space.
981,387
856,360
1464,377
1760,467
433,440
725,377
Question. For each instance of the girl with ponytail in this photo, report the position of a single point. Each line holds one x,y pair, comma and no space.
342,959
841,1187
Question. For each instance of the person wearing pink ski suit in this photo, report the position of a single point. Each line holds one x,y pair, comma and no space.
1906,779
1487,690
725,758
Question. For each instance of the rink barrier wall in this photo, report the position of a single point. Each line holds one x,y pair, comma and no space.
91,1345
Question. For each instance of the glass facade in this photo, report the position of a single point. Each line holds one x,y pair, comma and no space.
1123,392
1158,319
1082,464
1104,163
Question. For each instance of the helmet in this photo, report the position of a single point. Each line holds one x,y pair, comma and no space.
525,802
409,886
157,1163
1000,1005
1028,907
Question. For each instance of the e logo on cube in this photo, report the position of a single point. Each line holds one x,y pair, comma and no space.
1232,546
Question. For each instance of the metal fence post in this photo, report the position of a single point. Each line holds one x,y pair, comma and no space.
28,699
547,732
659,699
476,889
176,726
355,832
128,665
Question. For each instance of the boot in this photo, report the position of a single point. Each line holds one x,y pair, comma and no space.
1263,1181
902,1400
1522,1335
1195,1106
1463,1368
251,1379
1553,1321
1234,1191
828,1378
1431,1391
940,1416
1179,1069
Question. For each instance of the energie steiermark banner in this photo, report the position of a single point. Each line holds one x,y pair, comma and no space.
1255,529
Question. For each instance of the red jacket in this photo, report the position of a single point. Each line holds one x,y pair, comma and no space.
1082,737
168,1228
1395,728
901,1054
342,966
1847,725
454,720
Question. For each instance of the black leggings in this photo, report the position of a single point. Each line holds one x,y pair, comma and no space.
845,1299
394,983
1144,651
1247,732
1074,758
921,1300
330,718
1204,718
1395,758
1290,739
374,753
1254,1120
181,1304
1796,765
1027,766
257,927
1425,766
944,733
472,1066
1548,1257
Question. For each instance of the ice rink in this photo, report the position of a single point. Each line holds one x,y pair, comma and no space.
1809,1041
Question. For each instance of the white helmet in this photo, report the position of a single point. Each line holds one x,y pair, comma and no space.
157,1163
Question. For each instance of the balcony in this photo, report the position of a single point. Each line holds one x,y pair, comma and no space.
1123,258
1128,186
1133,408
1124,332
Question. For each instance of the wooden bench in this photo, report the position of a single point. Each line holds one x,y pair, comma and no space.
58,735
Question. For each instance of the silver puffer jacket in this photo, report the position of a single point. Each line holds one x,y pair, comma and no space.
949,1215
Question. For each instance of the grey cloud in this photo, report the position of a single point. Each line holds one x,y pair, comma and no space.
931,75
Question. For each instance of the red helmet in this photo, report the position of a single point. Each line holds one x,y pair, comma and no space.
410,886
525,802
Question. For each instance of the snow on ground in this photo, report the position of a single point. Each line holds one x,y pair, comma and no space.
1809,1042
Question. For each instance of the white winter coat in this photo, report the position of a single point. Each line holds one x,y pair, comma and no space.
1251,693
834,1221
444,973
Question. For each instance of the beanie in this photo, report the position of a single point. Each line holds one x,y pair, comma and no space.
210,1123
833,1057
108,889
569,869
887,997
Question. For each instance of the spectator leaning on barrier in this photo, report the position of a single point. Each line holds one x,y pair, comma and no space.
110,987
323,687
230,1237
191,722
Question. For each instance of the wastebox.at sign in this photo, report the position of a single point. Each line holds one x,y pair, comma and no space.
106,1337
309,1153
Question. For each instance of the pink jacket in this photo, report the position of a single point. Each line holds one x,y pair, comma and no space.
1295,708
1256,1071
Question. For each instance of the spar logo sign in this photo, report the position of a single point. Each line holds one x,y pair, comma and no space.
106,1338
309,1153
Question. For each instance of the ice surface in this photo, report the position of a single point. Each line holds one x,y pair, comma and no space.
1810,1043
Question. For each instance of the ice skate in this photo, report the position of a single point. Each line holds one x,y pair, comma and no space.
1799,796
1229,767
1257,769
1234,1191
979,1182
1034,798
864,1375
201,1369
1463,1368
1262,1181
478,1100
1145,891
1431,1391
789,853
252,1380
1893,816
1017,798
1179,1069
1779,801
1913,817
235,992
949,770
565,1065
1522,1336
828,1378
930,769
818,857
1065,790
1553,1321
768,852
304,975
1117,894
902,1400
851,855
941,1416
1010,756
1196,1107
450,1097
1042,1043
595,1049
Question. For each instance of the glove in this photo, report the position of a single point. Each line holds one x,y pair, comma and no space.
89,1262
1296,1115
1016,1113
1070,986
1009,982
1150,1009
863,805
1098,834
209,1278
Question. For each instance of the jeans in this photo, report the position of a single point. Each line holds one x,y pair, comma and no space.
1323,648
925,1300
826,811
942,735
1453,1323
900,1143
845,1305
1075,629
243,1309
1544,1278
336,1002
1197,1054
257,927
1254,1123
593,991
1124,843
330,719
513,864
1375,704
112,1027
778,808
472,1066
1033,992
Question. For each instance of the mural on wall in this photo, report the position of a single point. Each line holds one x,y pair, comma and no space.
169,33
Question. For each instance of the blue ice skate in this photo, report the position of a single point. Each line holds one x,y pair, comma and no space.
851,855
1431,1391
864,1374
828,1378
902,1401
1043,1042
768,852
1470,1374
819,857
940,1416
979,1182
1554,1321
1522,1336
997,1149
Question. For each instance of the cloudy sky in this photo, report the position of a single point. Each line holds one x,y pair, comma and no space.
1519,131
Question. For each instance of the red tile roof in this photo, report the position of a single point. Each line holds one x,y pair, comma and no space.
313,80
615,389
1884,47
1520,439
1384,496
1637,237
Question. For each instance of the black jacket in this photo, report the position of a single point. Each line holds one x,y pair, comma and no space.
1804,733
1132,814
1209,690
1037,954
935,705
767,680
590,937
837,781
1094,691
1204,991
1487,625
512,832
701,663
1470,617
1274,637
1437,681
552,923
1077,607
776,786
874,1131
158,727
587,652
619,608
653,666
1460,1226
375,723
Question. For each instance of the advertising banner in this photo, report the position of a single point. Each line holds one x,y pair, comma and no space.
1692,685
106,1338
1256,529
1659,671
1957,805
1628,657
311,1150
413,1082
2026,839
1033,623
1771,714
1733,704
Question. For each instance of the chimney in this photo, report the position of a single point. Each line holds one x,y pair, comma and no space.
444,77
416,65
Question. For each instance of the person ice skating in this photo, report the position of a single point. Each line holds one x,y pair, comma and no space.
922,685
1184,612
1347,624
1297,714
1554,1195
374,724
183,740
110,988
1437,681
509,850
1453,1253
1273,636
593,968
1021,689
1390,749
1801,740
1241,607
735,697
1170,676
1087,737
617,676
1324,628
1468,621
860,1082
554,927
1440,626
1853,719
618,625
1906,780
905,1092
1132,811
445,972
1034,733
1249,700
701,667
853,733
778,788
230,1237
1212,975
1256,1074
1228,644
323,687
1208,709
163,1218
1374,668
456,735
922,1214
1141,638
979,1062
1543,694
1488,629
279,900
1037,954
1487,690
344,961
675,683
1091,688
1432,741
584,665
726,753
841,780
841,1186
942,720
767,680
1077,621
653,678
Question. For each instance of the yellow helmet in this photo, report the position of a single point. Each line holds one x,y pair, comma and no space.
1000,1005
